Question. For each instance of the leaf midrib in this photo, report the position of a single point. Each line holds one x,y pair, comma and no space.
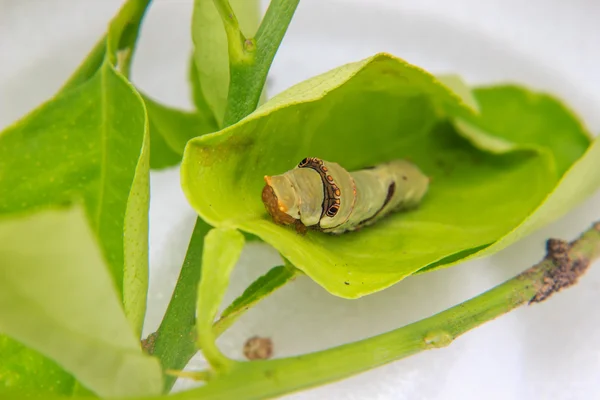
103,144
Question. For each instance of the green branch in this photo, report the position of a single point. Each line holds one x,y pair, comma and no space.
561,268
174,341
248,74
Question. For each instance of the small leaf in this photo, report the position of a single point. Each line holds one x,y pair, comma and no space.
210,54
196,92
222,249
359,115
259,289
57,297
170,130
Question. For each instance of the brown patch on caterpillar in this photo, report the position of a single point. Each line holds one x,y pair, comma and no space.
274,208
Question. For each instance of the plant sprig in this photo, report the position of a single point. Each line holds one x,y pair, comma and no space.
90,180
562,267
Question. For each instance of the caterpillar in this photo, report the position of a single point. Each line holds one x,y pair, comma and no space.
324,196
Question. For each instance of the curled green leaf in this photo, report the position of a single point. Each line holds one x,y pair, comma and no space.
359,115
520,117
222,249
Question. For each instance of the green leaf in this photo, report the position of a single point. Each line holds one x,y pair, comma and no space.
53,155
57,297
24,371
196,92
538,121
358,115
210,54
122,34
578,183
222,249
170,130
518,116
88,142
259,289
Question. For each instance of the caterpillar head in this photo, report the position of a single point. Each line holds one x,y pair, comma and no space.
276,207
295,197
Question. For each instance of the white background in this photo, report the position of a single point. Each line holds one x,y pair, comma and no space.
549,351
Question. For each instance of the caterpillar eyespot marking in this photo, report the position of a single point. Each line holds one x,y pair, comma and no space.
322,195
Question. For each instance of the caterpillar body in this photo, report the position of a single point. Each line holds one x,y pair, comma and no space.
322,195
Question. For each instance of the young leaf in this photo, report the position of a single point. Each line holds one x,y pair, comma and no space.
359,115
222,249
170,129
210,43
260,288
57,297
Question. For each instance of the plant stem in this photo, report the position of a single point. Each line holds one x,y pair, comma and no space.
249,74
241,50
561,268
174,342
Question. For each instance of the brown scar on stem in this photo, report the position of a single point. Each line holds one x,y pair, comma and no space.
274,209
149,342
568,265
